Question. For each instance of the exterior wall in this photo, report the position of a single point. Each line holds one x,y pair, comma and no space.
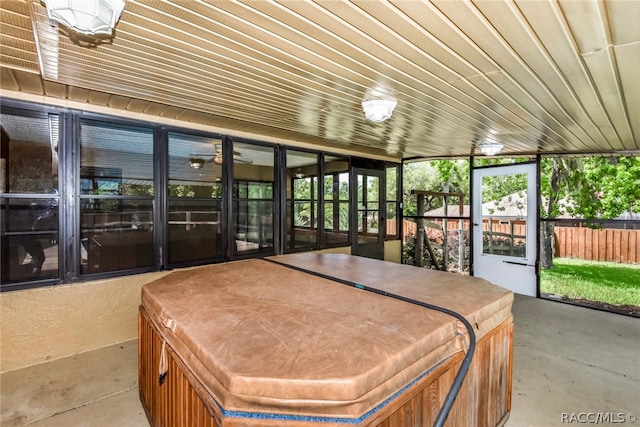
393,251
52,322
340,250
57,321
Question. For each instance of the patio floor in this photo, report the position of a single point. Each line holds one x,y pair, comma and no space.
567,360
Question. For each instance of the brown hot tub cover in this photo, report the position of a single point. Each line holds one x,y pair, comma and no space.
266,341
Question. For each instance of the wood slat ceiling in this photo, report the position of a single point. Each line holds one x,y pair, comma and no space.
539,76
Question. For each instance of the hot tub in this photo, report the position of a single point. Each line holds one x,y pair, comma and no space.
253,343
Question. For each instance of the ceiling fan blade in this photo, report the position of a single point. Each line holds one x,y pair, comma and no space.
217,157
219,150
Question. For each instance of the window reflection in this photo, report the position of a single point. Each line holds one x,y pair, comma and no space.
195,198
29,189
116,159
30,239
253,197
302,200
116,197
29,159
336,200
392,202
112,164
116,235
368,208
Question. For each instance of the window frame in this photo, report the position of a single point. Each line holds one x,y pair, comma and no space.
53,197
167,198
397,202
313,200
76,161
230,180
70,199
336,202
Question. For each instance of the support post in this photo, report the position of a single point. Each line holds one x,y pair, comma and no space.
432,254
420,234
445,233
460,245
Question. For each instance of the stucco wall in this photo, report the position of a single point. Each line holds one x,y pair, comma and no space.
42,324
393,251
58,321
342,250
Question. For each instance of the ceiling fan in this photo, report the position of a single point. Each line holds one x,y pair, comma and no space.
197,162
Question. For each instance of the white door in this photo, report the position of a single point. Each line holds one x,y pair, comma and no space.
504,226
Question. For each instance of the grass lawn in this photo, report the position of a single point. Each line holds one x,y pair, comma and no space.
593,280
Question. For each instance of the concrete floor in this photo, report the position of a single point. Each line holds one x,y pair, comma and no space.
567,360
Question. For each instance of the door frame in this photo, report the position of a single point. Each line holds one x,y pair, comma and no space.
511,264
371,250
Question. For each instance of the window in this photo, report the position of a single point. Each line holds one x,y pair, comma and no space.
336,201
116,197
194,199
101,185
368,207
29,202
302,200
393,201
504,215
436,200
253,198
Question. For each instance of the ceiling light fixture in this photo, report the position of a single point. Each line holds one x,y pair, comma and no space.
90,17
196,163
378,110
491,148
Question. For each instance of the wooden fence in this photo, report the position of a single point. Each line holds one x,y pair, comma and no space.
615,245
409,227
598,245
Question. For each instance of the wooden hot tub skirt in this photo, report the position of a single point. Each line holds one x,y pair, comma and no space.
484,398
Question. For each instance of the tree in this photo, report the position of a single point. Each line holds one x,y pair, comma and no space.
591,188
416,176
435,175
610,187
302,198
555,181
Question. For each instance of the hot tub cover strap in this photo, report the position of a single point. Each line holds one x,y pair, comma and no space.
466,363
